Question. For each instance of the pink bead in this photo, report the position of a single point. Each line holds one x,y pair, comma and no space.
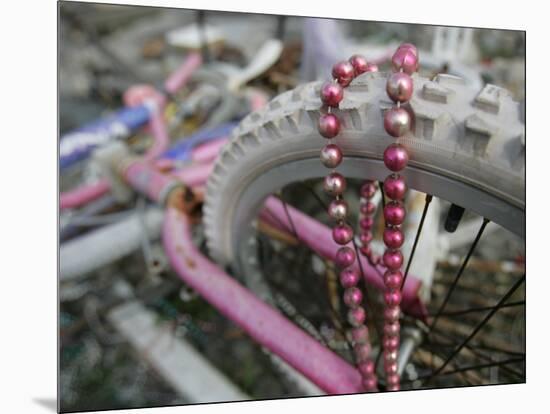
395,187
390,343
356,316
369,384
366,250
365,238
393,279
349,277
390,368
141,93
366,223
396,157
353,297
390,356
362,352
334,184
368,190
405,59
345,256
395,387
371,207
331,156
359,64
393,237
329,125
368,208
392,298
394,213
399,87
366,368
391,329
360,334
343,72
409,46
393,259
397,122
338,209
372,67
342,234
392,379
331,94
391,314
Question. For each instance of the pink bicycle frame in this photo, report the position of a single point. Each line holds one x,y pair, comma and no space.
262,322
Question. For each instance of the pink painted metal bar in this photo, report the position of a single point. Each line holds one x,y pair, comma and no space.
262,322
181,76
319,238
83,195
161,139
209,151
257,100
196,174
145,178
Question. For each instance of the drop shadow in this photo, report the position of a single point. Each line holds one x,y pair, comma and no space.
49,403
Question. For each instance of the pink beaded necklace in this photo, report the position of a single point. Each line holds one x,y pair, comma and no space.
397,123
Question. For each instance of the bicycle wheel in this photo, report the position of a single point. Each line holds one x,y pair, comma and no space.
466,147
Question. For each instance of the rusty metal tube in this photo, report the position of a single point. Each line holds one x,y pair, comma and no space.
262,322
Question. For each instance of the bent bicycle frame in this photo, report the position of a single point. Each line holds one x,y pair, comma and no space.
264,323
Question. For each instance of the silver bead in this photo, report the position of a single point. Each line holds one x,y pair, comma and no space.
399,87
331,156
397,122
338,210
334,184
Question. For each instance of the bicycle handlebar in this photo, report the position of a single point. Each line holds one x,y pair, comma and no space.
78,145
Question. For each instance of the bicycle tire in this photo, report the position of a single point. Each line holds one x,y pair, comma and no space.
472,140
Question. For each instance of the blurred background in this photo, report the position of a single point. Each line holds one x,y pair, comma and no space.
105,49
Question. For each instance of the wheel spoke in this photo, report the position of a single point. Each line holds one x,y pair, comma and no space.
476,355
480,309
277,219
364,284
335,313
378,359
476,352
450,339
479,326
472,368
477,347
383,198
316,196
485,347
437,350
460,271
417,237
